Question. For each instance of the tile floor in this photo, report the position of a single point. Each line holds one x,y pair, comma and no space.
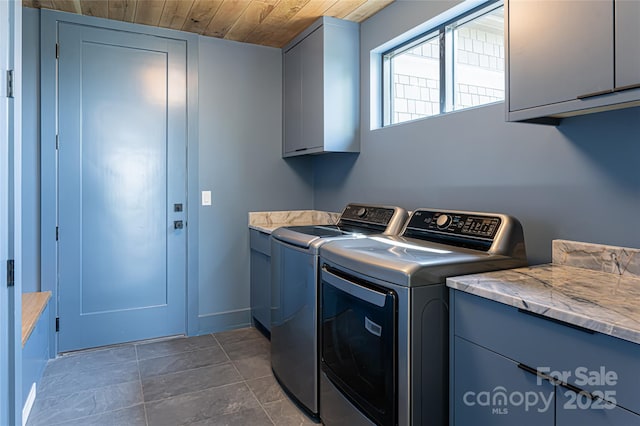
216,379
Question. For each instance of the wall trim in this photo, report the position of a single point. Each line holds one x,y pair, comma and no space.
223,321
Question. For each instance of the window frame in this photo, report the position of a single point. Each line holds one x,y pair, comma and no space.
446,61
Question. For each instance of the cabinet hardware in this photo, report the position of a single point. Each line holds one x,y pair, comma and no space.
11,280
557,321
528,369
594,94
10,83
535,372
629,87
556,381
301,149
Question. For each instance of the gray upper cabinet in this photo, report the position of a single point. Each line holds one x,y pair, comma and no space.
568,58
627,14
321,89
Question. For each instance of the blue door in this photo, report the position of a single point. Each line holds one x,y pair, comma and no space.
121,186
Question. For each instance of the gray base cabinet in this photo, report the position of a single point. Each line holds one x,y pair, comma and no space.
568,58
507,363
260,278
321,87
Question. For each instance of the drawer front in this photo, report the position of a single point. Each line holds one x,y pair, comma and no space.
591,361
260,241
489,389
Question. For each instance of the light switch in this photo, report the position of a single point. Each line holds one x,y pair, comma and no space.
206,198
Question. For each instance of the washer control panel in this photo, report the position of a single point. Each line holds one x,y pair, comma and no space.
454,224
368,214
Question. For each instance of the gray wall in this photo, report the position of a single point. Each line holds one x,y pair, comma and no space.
240,162
577,181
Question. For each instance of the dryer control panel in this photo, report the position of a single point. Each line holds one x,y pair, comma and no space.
370,214
378,219
453,226
455,223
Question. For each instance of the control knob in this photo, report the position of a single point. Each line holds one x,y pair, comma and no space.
361,212
443,221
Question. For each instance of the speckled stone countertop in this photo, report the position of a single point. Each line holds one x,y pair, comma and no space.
590,285
268,221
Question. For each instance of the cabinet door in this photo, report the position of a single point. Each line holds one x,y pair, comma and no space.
261,277
261,288
559,50
292,99
491,390
574,409
313,90
627,43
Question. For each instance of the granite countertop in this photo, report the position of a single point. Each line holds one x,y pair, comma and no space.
590,285
268,221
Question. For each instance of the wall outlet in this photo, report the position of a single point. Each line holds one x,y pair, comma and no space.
206,198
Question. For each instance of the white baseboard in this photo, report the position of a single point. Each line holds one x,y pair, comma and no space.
28,404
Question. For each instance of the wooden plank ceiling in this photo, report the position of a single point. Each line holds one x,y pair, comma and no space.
266,22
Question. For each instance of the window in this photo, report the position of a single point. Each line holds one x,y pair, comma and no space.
456,65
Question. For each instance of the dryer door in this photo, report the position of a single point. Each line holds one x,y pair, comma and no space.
359,343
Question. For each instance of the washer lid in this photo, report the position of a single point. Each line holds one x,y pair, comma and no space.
305,236
410,262
356,220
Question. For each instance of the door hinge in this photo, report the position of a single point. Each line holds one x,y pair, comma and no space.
11,277
57,324
57,51
9,83
57,233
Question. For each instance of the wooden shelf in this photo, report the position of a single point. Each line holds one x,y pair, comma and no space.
32,306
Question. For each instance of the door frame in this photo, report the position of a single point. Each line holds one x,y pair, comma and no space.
49,20
10,214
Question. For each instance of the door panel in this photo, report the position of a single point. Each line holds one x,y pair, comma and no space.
122,207
293,100
313,95
542,63
122,121
627,49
